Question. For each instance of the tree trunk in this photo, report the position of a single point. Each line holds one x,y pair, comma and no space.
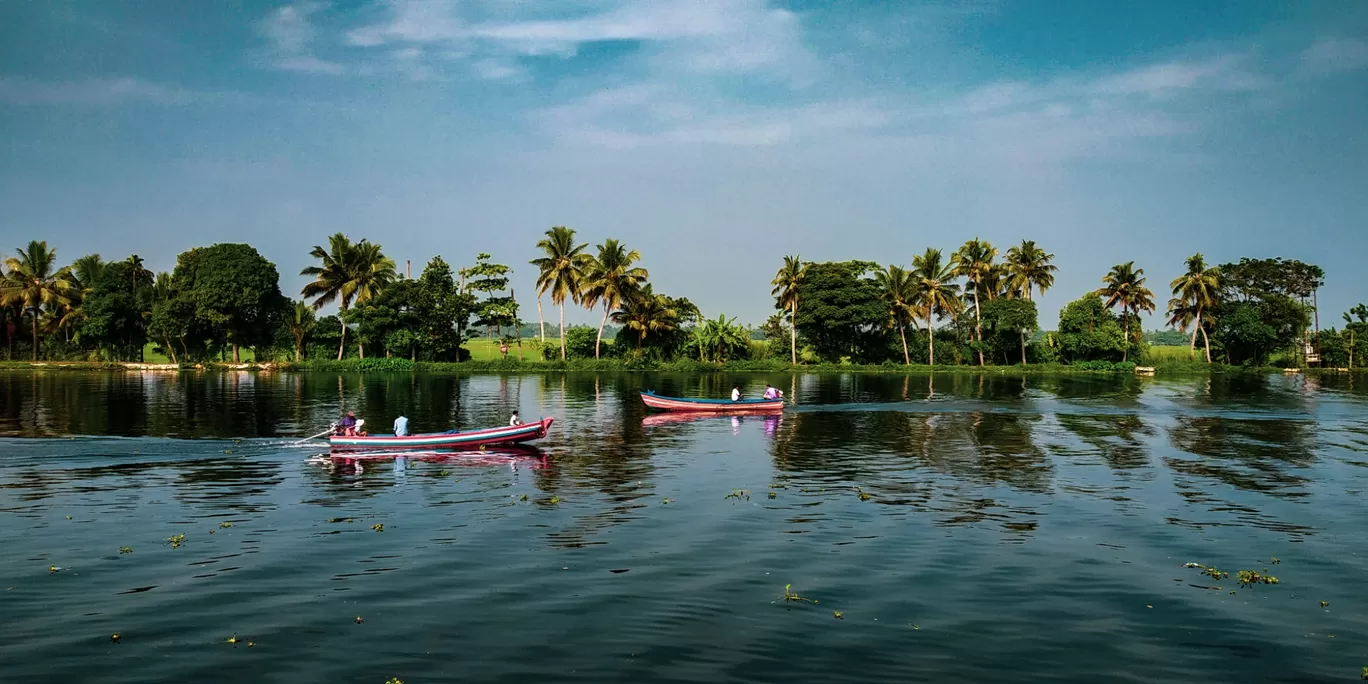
541,322
170,350
361,349
599,340
299,351
1316,305
1206,341
185,349
562,329
1022,333
35,334
902,332
793,334
930,341
978,325
342,345
1192,348
235,352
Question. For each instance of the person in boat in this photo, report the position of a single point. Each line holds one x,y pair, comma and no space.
347,428
770,392
401,427
515,420
736,393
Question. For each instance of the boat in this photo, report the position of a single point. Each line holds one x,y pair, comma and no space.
656,401
455,439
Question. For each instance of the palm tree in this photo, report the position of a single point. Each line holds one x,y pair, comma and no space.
348,273
301,324
608,278
721,337
937,294
899,292
1029,267
645,312
34,281
561,271
1124,286
786,284
974,262
1195,294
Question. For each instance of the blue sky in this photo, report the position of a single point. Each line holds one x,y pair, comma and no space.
715,136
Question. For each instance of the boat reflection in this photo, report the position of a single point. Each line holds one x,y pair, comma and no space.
661,419
513,456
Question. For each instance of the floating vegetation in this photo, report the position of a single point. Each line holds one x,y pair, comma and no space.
773,495
666,501
233,639
1274,560
1325,604
359,620
339,520
523,497
378,527
443,473
1365,673
125,549
227,451
1252,577
68,517
251,644
864,496
738,494
53,569
791,595
114,637
837,615
225,524
176,541
778,485
396,680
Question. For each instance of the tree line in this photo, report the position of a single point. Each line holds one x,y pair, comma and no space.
972,306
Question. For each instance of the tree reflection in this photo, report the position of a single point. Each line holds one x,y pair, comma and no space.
1254,455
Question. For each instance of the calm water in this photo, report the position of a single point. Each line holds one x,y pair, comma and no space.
1016,530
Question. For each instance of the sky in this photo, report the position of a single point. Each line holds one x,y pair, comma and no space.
714,136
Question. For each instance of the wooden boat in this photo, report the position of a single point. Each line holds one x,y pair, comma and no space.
455,439
656,401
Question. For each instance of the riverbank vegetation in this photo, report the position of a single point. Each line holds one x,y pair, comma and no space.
972,308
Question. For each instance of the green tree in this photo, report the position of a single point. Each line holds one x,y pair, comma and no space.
301,324
234,290
608,278
899,292
722,339
1124,286
1009,321
787,283
34,282
493,312
113,309
1195,295
644,312
841,314
348,273
974,262
560,272
1089,331
1355,331
938,293
443,311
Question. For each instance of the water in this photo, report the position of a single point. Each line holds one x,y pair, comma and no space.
1016,530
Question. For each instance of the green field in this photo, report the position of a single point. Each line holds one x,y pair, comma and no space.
1155,355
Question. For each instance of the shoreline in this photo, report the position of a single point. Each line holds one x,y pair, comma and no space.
404,366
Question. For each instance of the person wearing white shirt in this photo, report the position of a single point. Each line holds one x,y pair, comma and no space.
401,427
736,393
515,420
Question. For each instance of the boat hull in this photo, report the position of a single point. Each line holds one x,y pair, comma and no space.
470,439
656,401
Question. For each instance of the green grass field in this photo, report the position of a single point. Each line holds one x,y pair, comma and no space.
150,356
1155,355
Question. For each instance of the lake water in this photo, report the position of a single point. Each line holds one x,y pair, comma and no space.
1013,530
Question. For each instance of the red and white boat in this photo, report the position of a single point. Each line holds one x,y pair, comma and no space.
455,439
656,401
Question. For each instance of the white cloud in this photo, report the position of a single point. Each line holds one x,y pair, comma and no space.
99,91
291,35
1329,55
1222,73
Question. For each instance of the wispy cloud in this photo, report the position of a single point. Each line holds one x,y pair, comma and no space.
290,33
98,91
1330,55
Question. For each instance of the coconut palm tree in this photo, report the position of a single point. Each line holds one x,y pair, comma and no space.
786,284
937,293
348,273
560,273
1124,286
1195,295
608,278
1030,267
898,290
301,324
644,312
974,262
34,281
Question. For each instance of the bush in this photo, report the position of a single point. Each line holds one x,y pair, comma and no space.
378,364
579,342
1106,366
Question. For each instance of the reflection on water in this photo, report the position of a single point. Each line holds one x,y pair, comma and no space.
969,528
